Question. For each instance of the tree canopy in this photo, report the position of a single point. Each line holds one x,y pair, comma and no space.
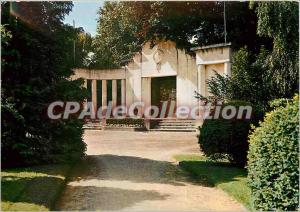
272,73
123,27
280,21
36,66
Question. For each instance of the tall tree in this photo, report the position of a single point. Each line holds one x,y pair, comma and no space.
37,65
272,73
124,26
280,21
84,50
119,31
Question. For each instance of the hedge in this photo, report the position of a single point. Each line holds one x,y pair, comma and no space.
274,160
126,122
227,137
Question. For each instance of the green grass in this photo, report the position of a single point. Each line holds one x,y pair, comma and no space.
218,174
32,188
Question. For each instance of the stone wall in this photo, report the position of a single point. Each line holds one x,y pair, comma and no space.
164,59
173,62
209,59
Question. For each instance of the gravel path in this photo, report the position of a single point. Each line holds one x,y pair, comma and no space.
135,171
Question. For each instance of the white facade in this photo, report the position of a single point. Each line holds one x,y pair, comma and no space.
163,60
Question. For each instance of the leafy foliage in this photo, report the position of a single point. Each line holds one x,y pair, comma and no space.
119,25
123,27
36,69
280,21
84,51
273,159
273,73
227,137
126,122
250,80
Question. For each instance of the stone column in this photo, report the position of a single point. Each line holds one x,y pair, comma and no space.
85,100
201,80
85,83
201,90
123,92
94,94
104,93
146,98
114,93
227,68
104,103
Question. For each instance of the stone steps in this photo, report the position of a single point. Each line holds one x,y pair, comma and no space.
174,125
168,125
124,128
174,130
92,126
176,121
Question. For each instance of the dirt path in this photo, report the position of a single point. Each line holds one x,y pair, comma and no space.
135,171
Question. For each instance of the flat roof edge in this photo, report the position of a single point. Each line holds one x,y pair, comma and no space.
210,46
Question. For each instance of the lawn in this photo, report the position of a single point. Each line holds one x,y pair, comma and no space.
219,174
33,188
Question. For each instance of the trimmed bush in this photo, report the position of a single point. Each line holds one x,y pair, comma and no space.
126,122
274,161
227,137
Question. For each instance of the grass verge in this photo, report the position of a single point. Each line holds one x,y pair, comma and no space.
218,174
32,188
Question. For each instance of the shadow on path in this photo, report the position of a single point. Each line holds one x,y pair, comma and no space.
88,188
134,169
112,182
103,198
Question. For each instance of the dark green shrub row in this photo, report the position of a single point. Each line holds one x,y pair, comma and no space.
126,122
274,159
222,137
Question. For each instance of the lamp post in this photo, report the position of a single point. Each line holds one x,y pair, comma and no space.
74,43
224,15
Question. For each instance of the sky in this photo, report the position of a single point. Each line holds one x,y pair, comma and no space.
85,15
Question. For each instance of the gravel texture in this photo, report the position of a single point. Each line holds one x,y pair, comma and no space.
135,171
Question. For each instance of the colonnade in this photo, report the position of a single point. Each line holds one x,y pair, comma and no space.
105,91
